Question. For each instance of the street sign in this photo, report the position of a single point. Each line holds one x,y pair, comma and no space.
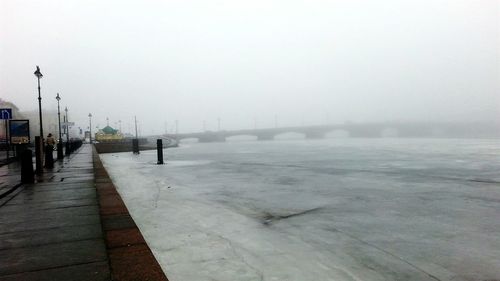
67,124
6,113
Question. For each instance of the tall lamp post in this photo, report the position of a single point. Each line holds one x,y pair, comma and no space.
39,75
39,142
67,132
60,154
90,128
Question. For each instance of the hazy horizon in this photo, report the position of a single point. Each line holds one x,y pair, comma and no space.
249,63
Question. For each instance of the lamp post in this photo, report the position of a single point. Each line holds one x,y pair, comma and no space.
135,142
90,127
39,141
135,121
60,155
39,75
67,126
67,132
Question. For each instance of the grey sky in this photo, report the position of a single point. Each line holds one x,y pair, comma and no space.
308,62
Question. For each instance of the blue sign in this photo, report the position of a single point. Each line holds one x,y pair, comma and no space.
6,113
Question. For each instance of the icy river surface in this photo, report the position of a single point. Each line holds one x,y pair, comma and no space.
335,209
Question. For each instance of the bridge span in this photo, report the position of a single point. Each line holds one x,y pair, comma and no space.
355,130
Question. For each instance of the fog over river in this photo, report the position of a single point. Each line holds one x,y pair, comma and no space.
336,209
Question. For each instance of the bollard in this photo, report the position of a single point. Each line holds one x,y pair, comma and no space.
68,148
159,149
60,154
49,156
135,146
39,154
27,175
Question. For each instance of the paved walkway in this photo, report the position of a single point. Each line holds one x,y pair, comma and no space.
10,177
52,230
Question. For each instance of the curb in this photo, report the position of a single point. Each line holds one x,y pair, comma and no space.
130,257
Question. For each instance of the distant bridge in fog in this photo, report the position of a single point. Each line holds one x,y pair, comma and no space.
355,130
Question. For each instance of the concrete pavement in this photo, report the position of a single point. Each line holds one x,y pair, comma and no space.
52,230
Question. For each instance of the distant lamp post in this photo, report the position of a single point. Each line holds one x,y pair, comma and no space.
60,155
90,128
39,141
39,76
67,132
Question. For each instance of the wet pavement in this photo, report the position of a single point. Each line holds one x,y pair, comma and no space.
51,230
10,174
70,225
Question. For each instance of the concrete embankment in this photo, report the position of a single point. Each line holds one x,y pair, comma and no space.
129,255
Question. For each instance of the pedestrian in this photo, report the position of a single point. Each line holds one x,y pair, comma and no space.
49,150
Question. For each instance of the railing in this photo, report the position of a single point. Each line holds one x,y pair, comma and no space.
73,145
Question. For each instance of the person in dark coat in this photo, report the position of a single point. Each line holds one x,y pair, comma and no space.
49,151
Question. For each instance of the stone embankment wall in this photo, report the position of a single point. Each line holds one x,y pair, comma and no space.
129,255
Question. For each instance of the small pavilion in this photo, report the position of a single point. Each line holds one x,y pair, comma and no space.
108,134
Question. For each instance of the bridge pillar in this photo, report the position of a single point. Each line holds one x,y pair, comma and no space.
212,138
315,135
364,131
265,137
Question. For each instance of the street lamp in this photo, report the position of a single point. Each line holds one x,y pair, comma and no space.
39,142
39,75
90,127
60,155
67,132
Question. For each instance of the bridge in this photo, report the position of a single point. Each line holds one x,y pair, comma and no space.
355,130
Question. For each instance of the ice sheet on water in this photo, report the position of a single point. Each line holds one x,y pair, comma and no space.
342,210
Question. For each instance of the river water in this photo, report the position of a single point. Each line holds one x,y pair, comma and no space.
333,209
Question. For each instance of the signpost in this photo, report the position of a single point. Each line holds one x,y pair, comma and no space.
68,124
6,114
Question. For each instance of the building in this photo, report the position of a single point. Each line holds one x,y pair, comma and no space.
50,122
108,134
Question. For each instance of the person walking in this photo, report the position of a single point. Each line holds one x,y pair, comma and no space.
49,151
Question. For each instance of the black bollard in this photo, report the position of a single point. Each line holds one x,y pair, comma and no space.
135,146
159,149
60,154
27,174
39,154
49,156
68,148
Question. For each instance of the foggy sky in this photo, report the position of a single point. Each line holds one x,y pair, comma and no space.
306,62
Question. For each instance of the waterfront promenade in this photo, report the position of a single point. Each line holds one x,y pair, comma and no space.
70,225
